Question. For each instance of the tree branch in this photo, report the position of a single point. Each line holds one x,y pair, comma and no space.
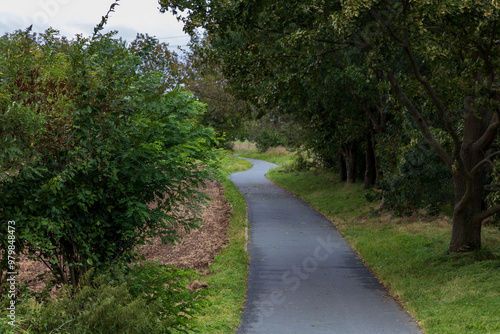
332,51
486,160
488,136
363,106
422,125
492,188
441,108
487,213
280,32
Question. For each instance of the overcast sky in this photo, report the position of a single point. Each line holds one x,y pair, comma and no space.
72,17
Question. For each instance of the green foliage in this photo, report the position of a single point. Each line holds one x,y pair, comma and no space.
156,57
420,182
89,146
267,129
414,177
302,164
494,196
266,139
225,112
277,67
143,298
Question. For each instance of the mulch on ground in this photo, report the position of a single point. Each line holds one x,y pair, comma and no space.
198,248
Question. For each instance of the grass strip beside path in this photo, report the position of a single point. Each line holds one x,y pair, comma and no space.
453,294
227,281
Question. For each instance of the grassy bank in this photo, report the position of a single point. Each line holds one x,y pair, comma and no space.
227,281
277,155
445,293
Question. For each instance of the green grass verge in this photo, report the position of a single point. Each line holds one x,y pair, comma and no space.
232,164
227,281
277,155
445,293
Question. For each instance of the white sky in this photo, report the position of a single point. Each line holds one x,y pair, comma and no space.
72,17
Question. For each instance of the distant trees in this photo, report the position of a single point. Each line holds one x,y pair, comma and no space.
348,68
203,77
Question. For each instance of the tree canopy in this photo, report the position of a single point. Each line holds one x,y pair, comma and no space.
433,62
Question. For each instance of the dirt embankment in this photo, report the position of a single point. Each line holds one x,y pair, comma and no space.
198,248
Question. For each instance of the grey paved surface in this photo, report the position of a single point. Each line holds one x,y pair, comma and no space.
303,276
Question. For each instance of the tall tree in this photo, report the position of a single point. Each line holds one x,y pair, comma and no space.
447,83
156,56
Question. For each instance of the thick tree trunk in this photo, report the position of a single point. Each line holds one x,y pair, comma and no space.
466,230
467,163
468,185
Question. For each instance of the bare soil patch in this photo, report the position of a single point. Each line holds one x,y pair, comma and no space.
196,250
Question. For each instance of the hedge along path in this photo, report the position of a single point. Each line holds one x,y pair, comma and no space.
303,276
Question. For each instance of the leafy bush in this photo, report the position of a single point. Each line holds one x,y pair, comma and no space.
145,298
494,196
418,181
94,156
301,163
267,139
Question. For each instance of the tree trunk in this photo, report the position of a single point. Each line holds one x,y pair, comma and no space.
370,166
468,187
466,230
378,171
349,153
467,164
342,169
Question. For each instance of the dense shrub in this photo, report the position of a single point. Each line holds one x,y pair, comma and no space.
414,177
88,140
267,139
144,298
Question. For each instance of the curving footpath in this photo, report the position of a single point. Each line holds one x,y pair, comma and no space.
303,276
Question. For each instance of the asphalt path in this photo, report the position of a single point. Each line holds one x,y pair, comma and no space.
303,277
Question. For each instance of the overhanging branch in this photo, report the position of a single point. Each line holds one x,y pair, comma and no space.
441,108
